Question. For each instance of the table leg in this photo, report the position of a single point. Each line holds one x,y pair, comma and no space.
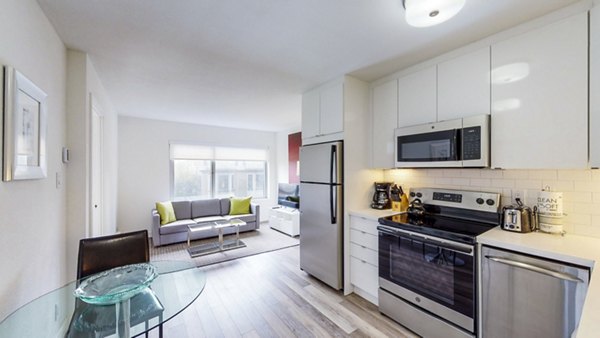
123,318
237,235
221,238
189,235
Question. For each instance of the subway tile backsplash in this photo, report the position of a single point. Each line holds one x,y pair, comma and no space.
581,189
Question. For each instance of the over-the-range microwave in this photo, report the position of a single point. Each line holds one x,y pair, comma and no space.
453,143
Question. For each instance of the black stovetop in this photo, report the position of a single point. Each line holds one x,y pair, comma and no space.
438,225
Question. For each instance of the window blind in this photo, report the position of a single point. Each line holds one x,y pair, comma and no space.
181,151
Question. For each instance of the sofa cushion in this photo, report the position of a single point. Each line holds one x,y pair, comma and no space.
177,226
166,212
202,208
183,209
225,204
240,206
246,217
208,219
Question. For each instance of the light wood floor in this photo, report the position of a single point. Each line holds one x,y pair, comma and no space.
267,295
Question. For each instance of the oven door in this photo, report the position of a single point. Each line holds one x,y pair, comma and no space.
429,145
434,274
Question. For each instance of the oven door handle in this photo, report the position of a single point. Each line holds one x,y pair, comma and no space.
444,245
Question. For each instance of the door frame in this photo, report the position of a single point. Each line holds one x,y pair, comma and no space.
95,111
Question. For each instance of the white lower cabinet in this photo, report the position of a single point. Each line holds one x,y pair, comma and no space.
286,220
365,277
364,265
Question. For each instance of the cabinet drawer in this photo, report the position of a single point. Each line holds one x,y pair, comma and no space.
364,253
364,276
364,239
363,224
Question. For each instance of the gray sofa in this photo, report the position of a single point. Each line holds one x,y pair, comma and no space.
191,212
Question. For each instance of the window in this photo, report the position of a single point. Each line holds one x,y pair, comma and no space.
218,172
192,179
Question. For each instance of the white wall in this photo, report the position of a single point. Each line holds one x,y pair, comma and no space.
78,144
144,166
358,180
33,212
581,188
83,83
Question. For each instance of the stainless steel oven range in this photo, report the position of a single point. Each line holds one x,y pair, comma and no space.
427,260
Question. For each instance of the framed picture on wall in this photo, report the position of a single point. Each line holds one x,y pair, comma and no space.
24,128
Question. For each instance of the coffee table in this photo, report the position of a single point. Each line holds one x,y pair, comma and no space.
221,244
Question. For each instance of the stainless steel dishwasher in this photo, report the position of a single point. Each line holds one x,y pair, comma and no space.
527,296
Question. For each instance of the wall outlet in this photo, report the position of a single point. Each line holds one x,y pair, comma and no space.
520,194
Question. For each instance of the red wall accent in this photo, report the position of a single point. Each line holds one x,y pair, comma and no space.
294,142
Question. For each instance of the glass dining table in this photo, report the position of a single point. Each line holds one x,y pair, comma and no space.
60,314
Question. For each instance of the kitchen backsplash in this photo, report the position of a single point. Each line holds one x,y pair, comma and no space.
581,189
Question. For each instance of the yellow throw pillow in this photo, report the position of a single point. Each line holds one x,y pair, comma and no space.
239,206
166,212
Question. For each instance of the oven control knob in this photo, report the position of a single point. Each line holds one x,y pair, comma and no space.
412,194
479,200
419,195
490,201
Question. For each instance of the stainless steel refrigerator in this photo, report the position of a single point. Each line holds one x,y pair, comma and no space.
321,212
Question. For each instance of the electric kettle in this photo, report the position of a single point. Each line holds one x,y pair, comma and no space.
519,218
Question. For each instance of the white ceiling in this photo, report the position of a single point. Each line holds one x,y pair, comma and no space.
245,63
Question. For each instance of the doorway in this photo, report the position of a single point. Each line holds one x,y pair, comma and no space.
97,171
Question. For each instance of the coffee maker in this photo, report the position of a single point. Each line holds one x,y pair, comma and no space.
381,197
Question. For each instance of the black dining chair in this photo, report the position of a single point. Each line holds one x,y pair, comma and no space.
103,253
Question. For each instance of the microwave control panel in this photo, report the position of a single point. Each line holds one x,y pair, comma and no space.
471,143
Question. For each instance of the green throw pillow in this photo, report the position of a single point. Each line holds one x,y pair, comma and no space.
240,206
166,212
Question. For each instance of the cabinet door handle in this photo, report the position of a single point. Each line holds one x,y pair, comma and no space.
535,268
363,261
364,233
362,246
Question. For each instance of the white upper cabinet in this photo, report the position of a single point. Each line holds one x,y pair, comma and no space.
385,120
417,97
332,109
331,106
310,114
595,87
464,86
539,97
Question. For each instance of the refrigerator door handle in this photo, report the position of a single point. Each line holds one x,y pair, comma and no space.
332,210
333,203
331,164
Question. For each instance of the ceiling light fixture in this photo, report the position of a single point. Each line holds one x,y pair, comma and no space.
424,13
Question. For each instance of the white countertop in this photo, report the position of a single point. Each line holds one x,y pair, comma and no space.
372,214
573,249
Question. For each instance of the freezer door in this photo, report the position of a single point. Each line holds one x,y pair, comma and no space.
321,163
320,233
